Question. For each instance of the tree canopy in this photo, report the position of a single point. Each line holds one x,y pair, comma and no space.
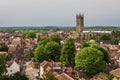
90,60
55,38
103,49
3,48
49,77
85,44
2,63
116,41
103,37
15,76
44,41
53,50
39,53
68,52
116,37
106,54
101,76
31,34
48,48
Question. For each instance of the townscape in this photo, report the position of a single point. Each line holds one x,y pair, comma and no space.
60,55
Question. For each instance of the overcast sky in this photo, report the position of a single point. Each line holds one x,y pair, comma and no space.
58,12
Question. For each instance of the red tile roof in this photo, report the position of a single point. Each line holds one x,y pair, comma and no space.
64,76
116,72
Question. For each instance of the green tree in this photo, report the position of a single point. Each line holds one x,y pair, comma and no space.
55,38
68,52
85,44
2,63
104,50
31,34
91,43
49,77
39,53
101,76
44,41
5,77
15,76
90,60
106,54
117,34
32,51
116,41
3,48
19,76
53,50
103,37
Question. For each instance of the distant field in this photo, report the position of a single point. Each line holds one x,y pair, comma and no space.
56,28
103,28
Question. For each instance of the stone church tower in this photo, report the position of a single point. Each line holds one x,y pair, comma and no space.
79,23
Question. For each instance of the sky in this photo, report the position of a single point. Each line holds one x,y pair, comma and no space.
59,12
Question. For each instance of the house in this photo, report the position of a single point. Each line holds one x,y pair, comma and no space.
12,48
64,76
43,67
17,41
13,67
116,74
4,53
56,69
50,67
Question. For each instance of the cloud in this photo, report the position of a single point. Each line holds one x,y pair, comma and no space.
59,12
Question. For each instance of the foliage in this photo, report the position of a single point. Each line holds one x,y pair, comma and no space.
103,37
68,52
49,77
5,77
115,41
55,28
85,44
111,76
39,53
19,76
55,38
101,76
106,54
3,48
34,59
104,50
48,48
116,37
32,51
89,59
2,63
91,43
44,41
16,76
53,51
117,34
93,38
94,46
31,34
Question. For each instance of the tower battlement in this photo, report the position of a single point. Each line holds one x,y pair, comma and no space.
79,23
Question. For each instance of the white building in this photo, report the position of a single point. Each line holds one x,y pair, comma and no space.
13,68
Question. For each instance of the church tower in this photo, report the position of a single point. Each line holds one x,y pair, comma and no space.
79,23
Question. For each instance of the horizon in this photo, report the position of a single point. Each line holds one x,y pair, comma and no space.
59,13
55,26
